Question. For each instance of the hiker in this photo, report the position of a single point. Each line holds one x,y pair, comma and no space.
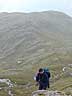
48,74
42,79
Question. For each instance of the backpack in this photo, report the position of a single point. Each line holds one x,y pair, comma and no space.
46,70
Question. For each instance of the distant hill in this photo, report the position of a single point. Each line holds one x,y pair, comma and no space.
27,38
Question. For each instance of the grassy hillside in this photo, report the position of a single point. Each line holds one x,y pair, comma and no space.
29,41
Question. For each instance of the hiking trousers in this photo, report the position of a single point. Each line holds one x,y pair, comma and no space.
43,86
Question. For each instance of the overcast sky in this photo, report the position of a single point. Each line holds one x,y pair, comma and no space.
36,5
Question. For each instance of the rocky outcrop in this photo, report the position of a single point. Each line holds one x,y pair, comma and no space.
47,93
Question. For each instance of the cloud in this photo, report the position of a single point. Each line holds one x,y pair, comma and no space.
35,5
9,4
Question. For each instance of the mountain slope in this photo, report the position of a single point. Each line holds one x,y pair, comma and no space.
29,41
28,36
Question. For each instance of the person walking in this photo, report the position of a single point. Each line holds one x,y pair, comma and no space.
42,79
46,70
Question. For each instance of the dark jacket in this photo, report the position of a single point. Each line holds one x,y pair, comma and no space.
48,74
42,78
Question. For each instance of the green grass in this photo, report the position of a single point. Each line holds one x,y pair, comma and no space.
3,93
3,85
